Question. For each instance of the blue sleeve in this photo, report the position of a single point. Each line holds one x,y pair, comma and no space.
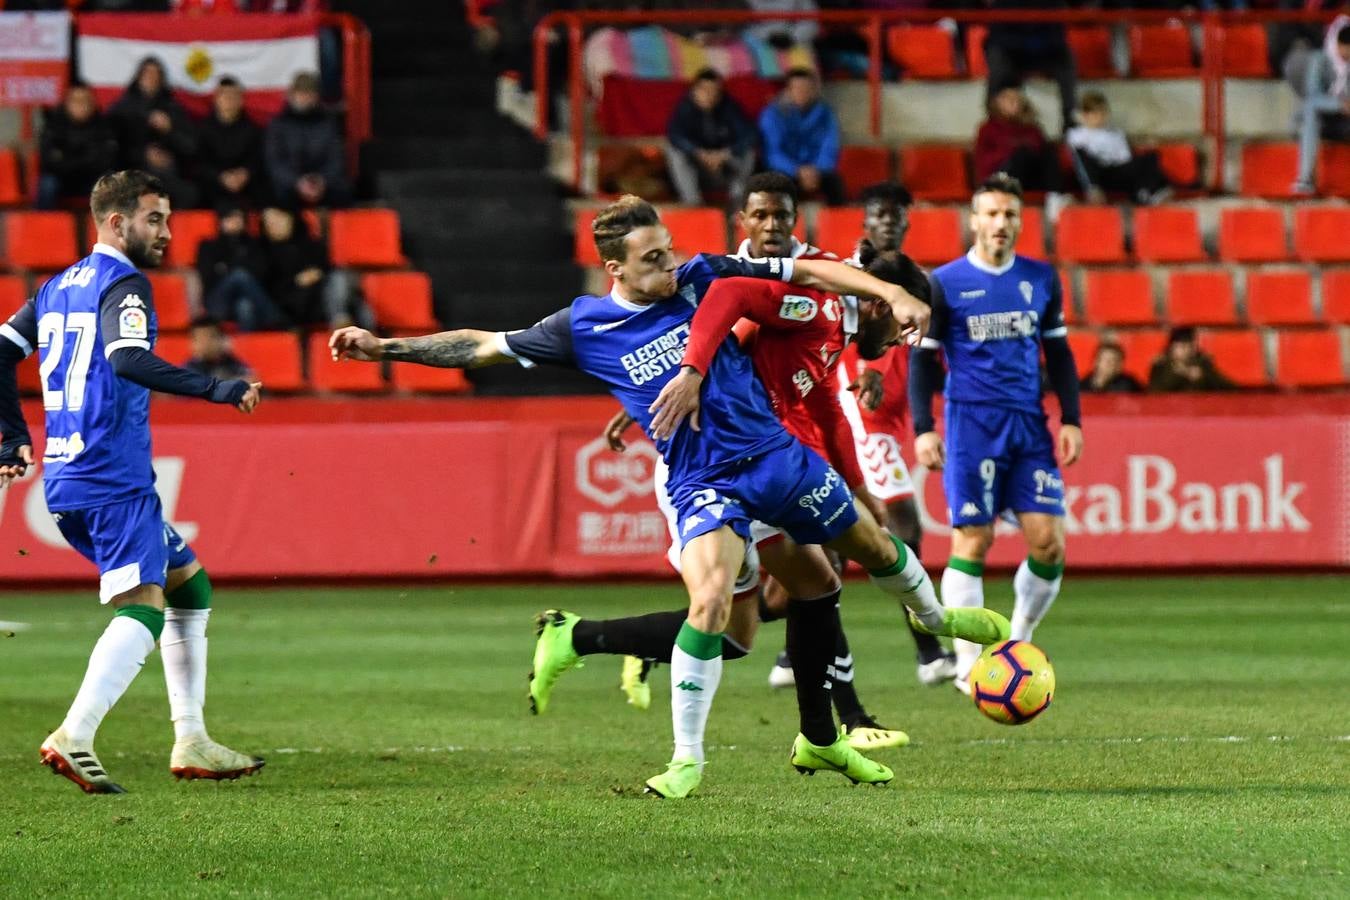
140,366
939,322
1063,374
125,312
1052,322
547,341
827,157
13,428
771,131
21,329
718,266
925,370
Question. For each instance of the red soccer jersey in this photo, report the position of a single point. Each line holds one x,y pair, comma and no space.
800,336
892,416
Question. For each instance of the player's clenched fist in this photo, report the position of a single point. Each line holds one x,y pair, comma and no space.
14,461
912,314
355,343
930,451
1070,444
252,397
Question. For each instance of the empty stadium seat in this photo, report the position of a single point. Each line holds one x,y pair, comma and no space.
699,230
1336,296
1245,52
430,380
1201,297
583,247
1091,46
935,172
1309,359
367,238
344,376
1167,234
1090,234
1322,234
1141,348
275,357
189,228
13,293
934,235
862,167
1239,355
1068,297
1268,168
1162,51
1253,234
1083,344
174,348
1279,297
976,67
1031,241
921,51
400,300
1180,163
838,229
40,240
1118,297
11,183
170,293
1333,169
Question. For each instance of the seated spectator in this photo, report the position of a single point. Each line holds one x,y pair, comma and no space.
710,141
159,161
229,161
1108,375
1014,50
302,281
1011,140
232,268
1182,367
146,113
784,34
304,150
211,352
801,137
1325,113
77,146
1105,160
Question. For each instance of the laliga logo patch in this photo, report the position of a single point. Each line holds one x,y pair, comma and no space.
1025,288
798,309
133,324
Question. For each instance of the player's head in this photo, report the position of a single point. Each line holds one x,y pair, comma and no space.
878,330
635,249
131,211
886,215
769,213
996,217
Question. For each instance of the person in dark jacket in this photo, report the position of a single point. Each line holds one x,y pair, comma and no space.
212,354
232,268
304,151
1108,375
229,160
801,137
78,145
709,141
1011,140
1182,367
146,114
301,280
1014,50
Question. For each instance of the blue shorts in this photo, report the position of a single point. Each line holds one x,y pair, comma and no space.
129,541
999,459
792,488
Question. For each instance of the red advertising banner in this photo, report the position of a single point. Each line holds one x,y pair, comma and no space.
34,57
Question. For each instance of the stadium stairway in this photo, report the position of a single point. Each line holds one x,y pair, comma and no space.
478,212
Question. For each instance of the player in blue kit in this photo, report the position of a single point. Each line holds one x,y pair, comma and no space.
736,465
993,314
93,327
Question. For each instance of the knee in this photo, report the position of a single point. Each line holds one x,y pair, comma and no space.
1046,548
972,543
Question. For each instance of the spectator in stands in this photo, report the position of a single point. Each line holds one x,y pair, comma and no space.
1108,375
1014,50
232,268
160,161
1106,162
1182,367
146,114
785,33
77,146
1325,112
1011,140
304,150
212,354
801,137
302,281
230,156
710,141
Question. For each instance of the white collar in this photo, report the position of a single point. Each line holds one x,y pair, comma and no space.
623,302
985,267
798,250
108,250
850,304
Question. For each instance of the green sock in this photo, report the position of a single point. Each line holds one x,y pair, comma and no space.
1048,571
195,593
151,618
902,557
698,644
974,569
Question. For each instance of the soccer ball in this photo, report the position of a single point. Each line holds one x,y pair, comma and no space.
1012,682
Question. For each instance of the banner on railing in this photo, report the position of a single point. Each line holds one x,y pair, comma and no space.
34,57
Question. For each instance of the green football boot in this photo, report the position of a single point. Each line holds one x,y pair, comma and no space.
969,623
553,655
633,682
839,757
678,781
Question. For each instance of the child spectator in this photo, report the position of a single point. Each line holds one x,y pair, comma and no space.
211,352
1182,367
1325,112
78,145
301,280
1105,161
304,150
801,137
1108,375
230,156
232,268
1011,140
709,141
146,113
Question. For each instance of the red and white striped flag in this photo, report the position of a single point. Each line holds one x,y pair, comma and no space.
263,51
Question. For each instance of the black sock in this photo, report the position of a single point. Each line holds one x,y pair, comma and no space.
766,614
846,701
812,638
929,647
651,636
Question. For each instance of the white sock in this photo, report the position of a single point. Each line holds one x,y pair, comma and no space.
961,589
115,662
913,588
691,703
1034,597
183,648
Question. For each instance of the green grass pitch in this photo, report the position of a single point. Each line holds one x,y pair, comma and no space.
1199,745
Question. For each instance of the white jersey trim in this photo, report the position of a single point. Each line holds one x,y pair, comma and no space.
505,349
1061,331
116,254
118,581
985,267
9,331
124,343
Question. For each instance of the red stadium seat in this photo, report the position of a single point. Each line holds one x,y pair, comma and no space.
1269,168
1309,359
1068,297
699,230
1333,169
1118,297
1141,349
1201,297
11,183
1245,52
1162,51
189,228
1083,344
40,240
1322,234
583,246
1090,234
170,292
400,300
275,357
935,172
1180,163
934,235
1031,242
976,67
1253,234
838,229
13,293
343,376
862,167
430,380
921,51
1280,297
174,348
367,238
1167,234
1336,296
1239,355
1091,46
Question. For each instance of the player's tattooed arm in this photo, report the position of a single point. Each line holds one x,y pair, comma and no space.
462,349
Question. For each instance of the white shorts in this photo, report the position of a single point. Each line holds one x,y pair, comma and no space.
878,452
748,578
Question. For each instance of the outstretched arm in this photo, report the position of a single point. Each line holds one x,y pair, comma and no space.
828,275
462,349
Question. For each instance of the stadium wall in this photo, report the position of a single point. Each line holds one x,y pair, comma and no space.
526,488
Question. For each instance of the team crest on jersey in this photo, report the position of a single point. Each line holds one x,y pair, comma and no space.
1025,288
133,324
132,301
798,309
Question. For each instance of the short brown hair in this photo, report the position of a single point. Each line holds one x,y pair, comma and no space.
1093,101
998,183
613,223
122,192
